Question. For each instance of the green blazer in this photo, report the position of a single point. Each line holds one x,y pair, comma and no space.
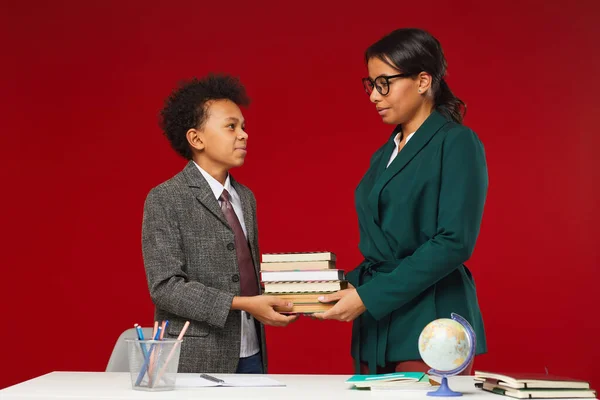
419,219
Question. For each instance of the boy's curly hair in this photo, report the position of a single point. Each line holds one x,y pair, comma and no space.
186,107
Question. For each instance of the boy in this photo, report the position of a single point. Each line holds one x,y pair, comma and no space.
200,236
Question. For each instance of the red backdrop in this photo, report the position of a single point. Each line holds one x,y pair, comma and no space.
81,87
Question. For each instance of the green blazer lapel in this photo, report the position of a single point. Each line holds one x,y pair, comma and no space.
421,137
386,153
203,192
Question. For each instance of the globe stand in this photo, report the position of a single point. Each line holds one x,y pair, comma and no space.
444,390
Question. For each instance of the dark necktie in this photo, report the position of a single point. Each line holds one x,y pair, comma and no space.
248,282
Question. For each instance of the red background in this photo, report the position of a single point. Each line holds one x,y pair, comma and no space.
81,87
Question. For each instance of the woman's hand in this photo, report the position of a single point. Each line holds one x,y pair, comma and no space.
348,307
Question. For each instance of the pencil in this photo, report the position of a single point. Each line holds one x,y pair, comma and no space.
166,364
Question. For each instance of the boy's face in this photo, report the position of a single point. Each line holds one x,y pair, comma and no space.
222,136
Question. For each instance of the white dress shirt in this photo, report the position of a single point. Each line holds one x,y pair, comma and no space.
397,141
249,345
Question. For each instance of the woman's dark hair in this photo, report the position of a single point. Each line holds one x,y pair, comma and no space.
186,107
413,51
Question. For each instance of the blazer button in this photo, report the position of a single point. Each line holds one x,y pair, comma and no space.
235,278
230,246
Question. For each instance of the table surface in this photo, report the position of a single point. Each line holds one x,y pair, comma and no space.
117,385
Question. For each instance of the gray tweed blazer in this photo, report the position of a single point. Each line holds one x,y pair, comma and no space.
192,272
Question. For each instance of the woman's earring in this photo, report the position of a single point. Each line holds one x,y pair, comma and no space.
419,90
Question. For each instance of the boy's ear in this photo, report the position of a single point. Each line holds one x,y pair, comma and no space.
195,138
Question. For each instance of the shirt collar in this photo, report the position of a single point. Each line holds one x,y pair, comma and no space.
214,184
397,138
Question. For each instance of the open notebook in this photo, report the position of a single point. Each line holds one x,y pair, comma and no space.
409,381
531,381
242,380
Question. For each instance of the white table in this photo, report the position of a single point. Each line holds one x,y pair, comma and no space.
117,385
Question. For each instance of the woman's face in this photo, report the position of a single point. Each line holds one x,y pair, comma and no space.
402,101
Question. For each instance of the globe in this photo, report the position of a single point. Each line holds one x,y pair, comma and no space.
447,345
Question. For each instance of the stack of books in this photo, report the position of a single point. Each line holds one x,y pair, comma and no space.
302,278
533,386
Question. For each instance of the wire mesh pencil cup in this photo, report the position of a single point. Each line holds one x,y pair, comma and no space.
153,363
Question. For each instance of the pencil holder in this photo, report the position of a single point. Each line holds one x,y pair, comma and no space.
153,363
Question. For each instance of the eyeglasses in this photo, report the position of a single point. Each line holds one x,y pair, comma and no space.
381,83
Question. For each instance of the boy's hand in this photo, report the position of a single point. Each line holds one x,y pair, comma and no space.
261,308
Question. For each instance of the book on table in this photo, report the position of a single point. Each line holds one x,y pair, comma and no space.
539,393
531,381
533,386
408,381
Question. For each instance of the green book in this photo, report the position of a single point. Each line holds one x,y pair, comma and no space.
396,379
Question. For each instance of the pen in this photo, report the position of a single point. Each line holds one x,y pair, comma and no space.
148,360
140,335
211,378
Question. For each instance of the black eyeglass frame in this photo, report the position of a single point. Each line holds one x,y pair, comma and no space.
369,84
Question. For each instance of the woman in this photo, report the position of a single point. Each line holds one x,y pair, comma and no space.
419,208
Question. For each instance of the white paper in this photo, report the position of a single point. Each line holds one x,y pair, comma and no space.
404,388
190,381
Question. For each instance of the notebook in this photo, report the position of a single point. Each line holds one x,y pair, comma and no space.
304,287
539,393
241,380
295,257
297,266
299,276
531,381
398,380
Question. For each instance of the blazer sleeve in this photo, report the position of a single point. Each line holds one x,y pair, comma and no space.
164,261
352,276
463,190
